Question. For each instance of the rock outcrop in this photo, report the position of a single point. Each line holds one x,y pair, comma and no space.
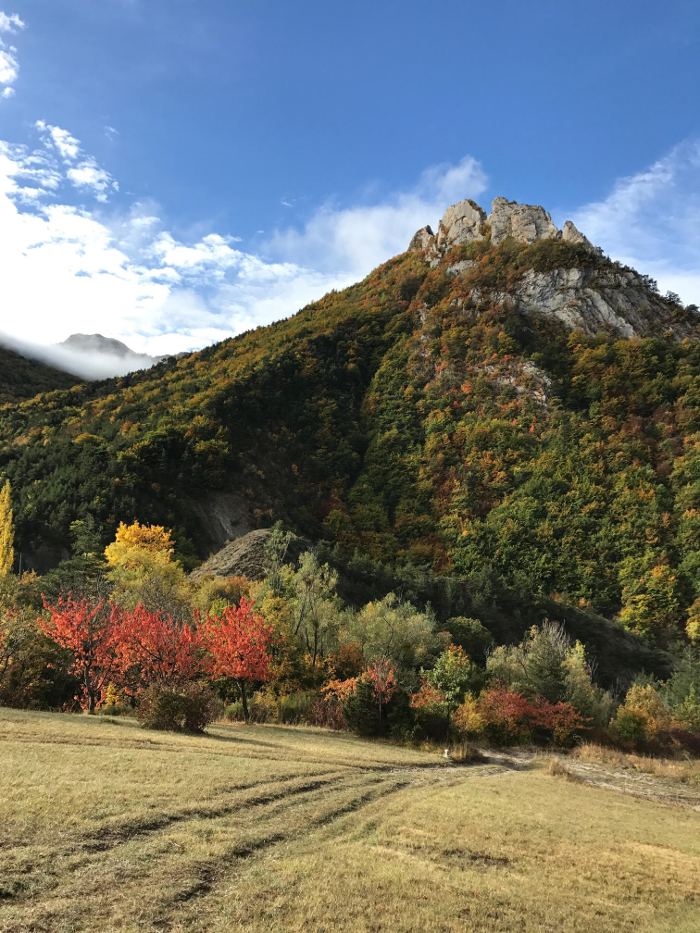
461,223
589,293
422,239
526,223
466,222
591,300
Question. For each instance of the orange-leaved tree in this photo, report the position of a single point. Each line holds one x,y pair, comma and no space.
154,648
90,631
382,676
238,646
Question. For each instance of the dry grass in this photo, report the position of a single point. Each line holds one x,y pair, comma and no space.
556,768
685,771
106,827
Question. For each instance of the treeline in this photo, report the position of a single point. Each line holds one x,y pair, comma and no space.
125,632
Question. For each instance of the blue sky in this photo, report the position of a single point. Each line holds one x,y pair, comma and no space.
174,171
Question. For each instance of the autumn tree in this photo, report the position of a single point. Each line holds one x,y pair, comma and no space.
154,648
7,532
90,632
394,629
454,676
381,674
313,603
143,570
238,645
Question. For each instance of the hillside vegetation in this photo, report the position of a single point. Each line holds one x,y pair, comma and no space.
22,378
413,418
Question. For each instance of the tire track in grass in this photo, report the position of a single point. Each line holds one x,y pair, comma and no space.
213,874
34,876
69,905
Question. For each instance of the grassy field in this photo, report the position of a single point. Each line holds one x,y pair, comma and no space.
106,827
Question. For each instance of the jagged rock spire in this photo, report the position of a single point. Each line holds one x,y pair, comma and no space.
466,221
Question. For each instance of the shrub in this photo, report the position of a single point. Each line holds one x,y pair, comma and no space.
468,720
260,710
296,708
430,713
511,717
646,701
117,709
630,725
687,713
328,714
471,635
189,709
360,710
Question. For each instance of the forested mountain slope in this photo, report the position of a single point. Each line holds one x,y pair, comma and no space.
22,378
499,402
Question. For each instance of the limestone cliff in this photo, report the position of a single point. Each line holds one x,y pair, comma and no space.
585,291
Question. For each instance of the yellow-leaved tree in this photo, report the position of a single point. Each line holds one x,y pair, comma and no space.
142,568
7,531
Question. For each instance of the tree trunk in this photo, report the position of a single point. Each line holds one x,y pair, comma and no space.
244,700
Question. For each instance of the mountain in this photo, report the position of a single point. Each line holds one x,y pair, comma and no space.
501,404
82,356
114,353
22,378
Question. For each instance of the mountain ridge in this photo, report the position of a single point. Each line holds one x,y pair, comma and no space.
424,417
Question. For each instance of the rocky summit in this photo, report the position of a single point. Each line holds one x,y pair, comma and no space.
466,222
579,289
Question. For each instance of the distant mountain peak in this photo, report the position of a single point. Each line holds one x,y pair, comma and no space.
97,343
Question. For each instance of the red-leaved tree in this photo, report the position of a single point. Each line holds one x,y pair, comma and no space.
90,631
238,646
382,676
513,716
153,648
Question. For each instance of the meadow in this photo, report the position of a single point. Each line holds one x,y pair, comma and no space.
107,826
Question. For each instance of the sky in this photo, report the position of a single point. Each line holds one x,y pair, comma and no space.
173,172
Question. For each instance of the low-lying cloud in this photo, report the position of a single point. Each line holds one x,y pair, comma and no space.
85,365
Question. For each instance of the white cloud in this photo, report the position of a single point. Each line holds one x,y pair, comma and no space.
83,171
85,365
9,66
651,221
354,240
68,146
10,22
73,269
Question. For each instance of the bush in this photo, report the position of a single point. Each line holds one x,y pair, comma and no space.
117,709
471,635
295,708
630,725
189,709
361,711
468,720
328,714
260,710
511,718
